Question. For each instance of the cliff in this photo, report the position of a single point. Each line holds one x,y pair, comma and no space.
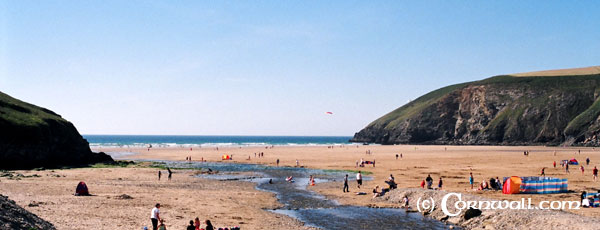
32,137
536,108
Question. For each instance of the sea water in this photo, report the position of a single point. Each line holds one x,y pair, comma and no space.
99,141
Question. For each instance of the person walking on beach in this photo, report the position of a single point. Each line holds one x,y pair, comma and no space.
396,156
587,161
543,172
277,162
359,179
440,183
159,174
595,173
346,189
582,169
170,173
471,180
155,216
297,163
554,164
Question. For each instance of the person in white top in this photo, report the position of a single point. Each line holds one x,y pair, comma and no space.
359,179
155,216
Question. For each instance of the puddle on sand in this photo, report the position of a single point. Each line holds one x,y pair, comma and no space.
310,207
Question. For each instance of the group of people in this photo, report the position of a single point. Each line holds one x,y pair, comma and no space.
168,177
195,225
429,182
158,223
259,155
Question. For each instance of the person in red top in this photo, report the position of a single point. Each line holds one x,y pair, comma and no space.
554,163
423,184
595,172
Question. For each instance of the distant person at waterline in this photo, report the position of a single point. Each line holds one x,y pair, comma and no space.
159,174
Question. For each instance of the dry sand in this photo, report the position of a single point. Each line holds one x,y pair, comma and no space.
229,203
225,203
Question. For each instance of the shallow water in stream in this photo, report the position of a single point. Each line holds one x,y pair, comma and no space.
310,207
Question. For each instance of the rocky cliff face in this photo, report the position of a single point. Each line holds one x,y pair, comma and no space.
502,110
32,137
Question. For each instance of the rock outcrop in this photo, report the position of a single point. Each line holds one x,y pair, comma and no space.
13,216
33,137
501,110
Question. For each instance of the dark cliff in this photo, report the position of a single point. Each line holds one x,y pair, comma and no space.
32,137
539,108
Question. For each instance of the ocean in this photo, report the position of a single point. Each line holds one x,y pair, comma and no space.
99,141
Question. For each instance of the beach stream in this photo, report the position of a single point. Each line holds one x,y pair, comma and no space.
310,207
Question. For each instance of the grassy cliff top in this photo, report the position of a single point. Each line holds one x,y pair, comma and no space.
530,80
16,112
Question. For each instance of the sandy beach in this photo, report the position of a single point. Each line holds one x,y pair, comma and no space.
229,203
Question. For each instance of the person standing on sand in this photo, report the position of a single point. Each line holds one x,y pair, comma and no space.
440,183
155,216
471,180
159,174
359,179
191,226
277,162
582,169
567,167
595,173
554,164
423,184
346,189
297,163
170,173
587,161
429,181
396,156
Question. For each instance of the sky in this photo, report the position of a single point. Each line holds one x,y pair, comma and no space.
272,67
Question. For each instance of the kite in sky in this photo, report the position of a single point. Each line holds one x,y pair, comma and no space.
328,113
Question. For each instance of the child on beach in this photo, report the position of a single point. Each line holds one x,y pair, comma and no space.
423,184
162,225
582,169
471,180
405,201
595,173
440,183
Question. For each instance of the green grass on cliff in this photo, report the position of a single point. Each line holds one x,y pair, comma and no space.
395,117
414,108
20,113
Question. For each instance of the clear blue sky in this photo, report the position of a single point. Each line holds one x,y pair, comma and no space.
271,67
